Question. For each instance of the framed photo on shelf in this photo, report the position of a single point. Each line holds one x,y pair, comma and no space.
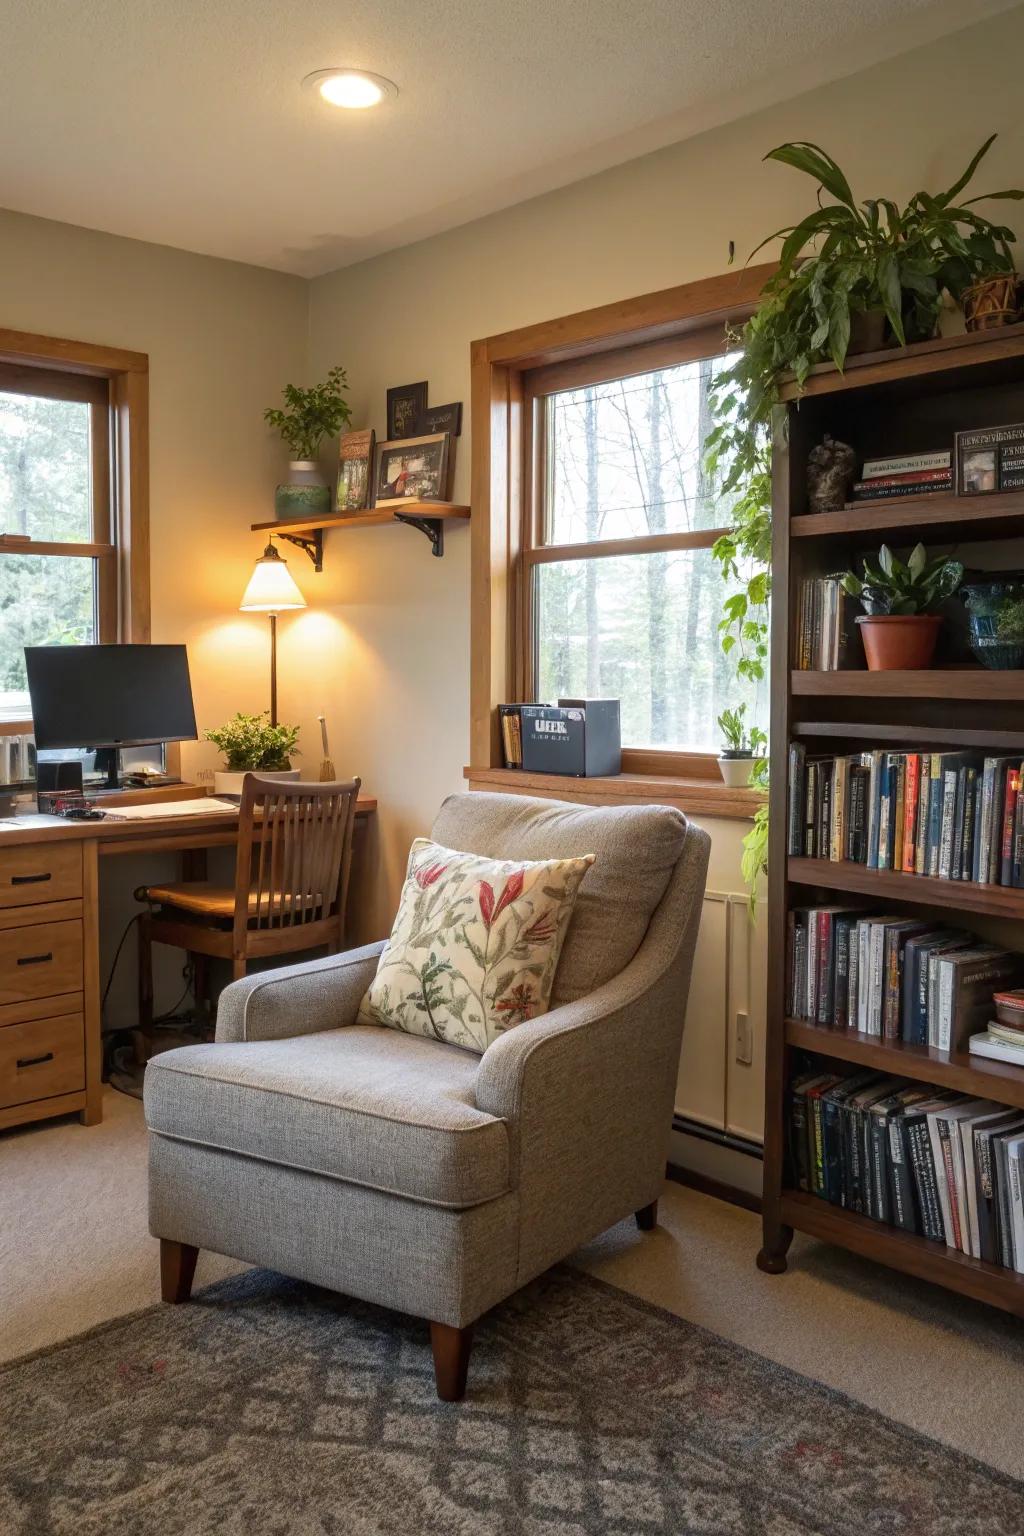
355,469
411,469
990,460
442,418
406,405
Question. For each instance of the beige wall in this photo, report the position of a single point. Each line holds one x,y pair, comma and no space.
661,220
222,338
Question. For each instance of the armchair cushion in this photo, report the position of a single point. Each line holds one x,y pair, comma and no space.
362,1104
637,848
475,944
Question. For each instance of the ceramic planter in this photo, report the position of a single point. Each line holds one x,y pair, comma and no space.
735,768
899,642
229,782
307,493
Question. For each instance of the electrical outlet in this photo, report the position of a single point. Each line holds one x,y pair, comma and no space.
744,1040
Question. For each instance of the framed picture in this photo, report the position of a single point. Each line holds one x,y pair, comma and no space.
355,467
442,418
406,405
412,469
990,459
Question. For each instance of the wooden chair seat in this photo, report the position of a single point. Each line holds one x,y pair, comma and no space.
206,899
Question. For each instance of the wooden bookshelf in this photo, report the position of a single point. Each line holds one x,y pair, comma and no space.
903,401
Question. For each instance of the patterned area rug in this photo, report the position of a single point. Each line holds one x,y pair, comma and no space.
273,1408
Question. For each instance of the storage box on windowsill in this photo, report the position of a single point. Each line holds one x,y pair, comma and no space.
580,738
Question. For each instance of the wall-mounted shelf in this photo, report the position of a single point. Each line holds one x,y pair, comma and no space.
429,517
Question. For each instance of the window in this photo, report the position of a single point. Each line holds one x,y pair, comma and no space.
58,572
620,594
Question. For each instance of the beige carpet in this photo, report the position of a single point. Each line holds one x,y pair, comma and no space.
74,1251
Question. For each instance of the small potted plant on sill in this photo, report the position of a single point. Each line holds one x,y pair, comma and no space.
900,624
309,416
250,744
740,749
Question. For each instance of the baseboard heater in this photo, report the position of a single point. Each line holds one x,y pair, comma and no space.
688,1127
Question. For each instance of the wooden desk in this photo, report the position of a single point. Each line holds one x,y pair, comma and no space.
50,985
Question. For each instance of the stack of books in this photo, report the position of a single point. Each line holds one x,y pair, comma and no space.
942,1165
895,977
950,815
823,626
912,474
1004,1038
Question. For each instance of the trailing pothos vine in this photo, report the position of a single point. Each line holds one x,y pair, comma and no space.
845,267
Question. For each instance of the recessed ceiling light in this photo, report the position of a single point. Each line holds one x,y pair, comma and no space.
352,88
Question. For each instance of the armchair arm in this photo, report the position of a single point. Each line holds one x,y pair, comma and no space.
297,999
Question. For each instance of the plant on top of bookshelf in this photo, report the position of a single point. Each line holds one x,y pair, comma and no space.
900,623
740,746
308,417
848,272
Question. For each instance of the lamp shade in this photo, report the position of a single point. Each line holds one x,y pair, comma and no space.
272,587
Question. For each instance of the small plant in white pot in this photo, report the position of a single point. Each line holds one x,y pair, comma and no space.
309,416
740,748
250,744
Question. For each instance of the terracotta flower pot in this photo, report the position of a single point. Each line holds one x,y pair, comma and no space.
899,642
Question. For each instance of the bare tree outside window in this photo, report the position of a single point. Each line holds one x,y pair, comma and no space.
625,463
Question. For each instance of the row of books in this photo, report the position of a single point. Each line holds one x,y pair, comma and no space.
913,474
824,625
899,978
942,1165
950,815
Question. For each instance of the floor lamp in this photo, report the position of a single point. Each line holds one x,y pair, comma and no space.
272,590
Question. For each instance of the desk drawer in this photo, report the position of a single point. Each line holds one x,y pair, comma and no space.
42,960
41,1059
38,872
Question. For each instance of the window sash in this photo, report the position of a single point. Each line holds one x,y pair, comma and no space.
102,549
539,384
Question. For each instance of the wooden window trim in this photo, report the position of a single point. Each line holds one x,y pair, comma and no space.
115,383
508,372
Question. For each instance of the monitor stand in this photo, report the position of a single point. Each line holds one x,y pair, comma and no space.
108,761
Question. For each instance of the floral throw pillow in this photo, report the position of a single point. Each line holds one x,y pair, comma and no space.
475,944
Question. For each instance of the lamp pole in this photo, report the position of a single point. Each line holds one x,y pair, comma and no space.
271,590
273,669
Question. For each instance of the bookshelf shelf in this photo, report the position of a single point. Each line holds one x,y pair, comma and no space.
922,890
887,403
999,1080
903,1251
972,517
972,684
376,517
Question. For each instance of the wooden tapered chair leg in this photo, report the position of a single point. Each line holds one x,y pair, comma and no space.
647,1217
177,1269
451,1347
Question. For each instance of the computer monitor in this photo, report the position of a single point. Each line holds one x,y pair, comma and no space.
109,696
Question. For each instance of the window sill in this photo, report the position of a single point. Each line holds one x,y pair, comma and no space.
695,796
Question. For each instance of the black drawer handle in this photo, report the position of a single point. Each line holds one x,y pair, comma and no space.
35,959
34,1061
29,879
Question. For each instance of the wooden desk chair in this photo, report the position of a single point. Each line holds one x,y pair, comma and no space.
290,890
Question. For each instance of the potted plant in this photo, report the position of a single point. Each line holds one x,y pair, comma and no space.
995,616
849,274
308,417
740,748
900,624
250,744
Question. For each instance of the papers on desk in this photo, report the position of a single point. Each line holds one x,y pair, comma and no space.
207,806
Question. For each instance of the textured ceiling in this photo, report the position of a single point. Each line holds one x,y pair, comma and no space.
182,121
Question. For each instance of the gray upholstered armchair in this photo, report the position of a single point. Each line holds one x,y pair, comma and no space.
409,1172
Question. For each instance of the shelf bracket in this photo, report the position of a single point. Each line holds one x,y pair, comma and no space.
312,543
433,527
